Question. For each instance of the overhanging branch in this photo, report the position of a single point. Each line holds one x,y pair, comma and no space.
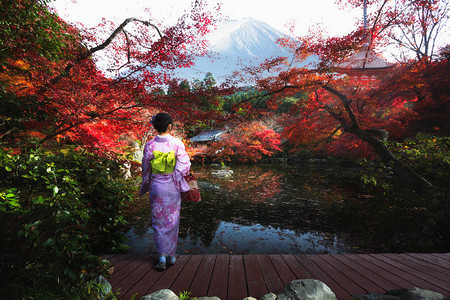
102,46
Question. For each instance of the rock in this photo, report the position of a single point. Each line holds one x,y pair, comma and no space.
307,289
249,298
403,294
270,296
208,298
421,294
138,154
207,186
126,170
223,173
161,295
374,297
105,287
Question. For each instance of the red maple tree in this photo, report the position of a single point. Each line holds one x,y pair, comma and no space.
248,141
344,107
56,91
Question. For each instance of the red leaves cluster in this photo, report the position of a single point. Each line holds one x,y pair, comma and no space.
247,142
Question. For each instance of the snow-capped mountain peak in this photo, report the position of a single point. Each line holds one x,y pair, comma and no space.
236,43
246,37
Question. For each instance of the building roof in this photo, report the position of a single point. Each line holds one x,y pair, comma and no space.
364,60
208,136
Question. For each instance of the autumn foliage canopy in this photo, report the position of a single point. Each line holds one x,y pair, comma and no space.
53,89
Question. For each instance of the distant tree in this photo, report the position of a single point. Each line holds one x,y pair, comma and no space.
184,85
209,81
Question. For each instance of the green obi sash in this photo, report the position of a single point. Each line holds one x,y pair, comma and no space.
163,163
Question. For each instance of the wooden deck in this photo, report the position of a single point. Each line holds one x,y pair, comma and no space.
238,276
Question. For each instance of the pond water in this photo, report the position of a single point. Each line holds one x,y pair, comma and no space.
261,209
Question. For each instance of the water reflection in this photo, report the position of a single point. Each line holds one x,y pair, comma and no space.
261,209
240,239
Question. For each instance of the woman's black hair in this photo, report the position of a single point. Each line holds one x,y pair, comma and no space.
161,121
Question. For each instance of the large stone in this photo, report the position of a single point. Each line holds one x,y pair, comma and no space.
373,296
222,173
249,298
270,296
421,294
208,298
105,287
161,295
307,289
203,185
403,294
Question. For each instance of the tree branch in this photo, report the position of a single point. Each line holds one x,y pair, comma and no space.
346,104
103,45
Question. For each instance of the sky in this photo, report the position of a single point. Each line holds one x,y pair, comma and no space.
276,13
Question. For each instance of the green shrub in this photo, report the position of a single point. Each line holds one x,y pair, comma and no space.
428,155
59,210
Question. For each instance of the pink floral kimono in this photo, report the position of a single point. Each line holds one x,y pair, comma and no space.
164,165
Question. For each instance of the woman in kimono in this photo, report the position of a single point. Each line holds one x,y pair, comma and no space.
164,165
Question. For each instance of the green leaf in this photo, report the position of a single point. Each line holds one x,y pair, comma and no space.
39,200
48,242
55,190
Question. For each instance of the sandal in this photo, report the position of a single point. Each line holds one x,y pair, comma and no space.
161,266
171,260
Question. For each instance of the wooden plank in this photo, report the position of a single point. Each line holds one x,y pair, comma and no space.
388,268
237,285
169,275
121,261
318,273
219,278
429,268
444,256
145,283
186,276
235,277
296,267
113,259
146,264
283,270
365,260
132,264
200,283
271,277
360,279
430,261
255,280
338,276
380,280
436,259
427,281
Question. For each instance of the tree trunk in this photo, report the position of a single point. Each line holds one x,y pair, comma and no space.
405,172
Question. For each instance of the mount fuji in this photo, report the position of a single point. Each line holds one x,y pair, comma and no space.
234,45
